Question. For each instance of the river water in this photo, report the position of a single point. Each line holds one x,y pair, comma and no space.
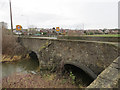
22,66
32,65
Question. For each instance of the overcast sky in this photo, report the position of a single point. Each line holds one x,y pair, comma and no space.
74,14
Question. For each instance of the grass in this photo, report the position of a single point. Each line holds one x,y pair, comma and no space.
79,37
105,35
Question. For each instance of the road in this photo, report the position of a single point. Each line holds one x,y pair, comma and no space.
46,37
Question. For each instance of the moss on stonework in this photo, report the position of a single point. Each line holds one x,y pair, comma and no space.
44,46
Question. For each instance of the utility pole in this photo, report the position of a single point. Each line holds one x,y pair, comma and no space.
119,15
11,17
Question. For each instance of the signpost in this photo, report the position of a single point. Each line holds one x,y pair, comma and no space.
57,29
18,27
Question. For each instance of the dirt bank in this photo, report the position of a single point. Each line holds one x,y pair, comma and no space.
34,81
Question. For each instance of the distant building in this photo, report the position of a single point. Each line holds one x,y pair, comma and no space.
3,25
38,29
32,30
75,32
4,28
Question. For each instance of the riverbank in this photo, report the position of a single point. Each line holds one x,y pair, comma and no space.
19,80
24,73
8,58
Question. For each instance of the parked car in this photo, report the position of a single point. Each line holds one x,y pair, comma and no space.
37,34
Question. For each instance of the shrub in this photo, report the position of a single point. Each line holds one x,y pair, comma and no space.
10,45
91,33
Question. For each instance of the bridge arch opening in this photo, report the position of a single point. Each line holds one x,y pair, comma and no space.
34,57
81,77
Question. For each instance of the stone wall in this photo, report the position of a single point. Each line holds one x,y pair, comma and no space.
92,57
108,78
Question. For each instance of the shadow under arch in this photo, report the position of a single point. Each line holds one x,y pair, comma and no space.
34,57
83,74
83,67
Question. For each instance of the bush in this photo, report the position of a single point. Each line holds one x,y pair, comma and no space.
91,33
10,45
44,33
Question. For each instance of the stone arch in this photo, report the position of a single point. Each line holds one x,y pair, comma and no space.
82,67
33,55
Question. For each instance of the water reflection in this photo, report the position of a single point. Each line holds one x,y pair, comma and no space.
23,66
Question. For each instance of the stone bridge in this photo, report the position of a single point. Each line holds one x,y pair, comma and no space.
90,56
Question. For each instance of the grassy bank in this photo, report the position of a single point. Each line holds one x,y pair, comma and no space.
105,38
6,58
9,58
104,35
